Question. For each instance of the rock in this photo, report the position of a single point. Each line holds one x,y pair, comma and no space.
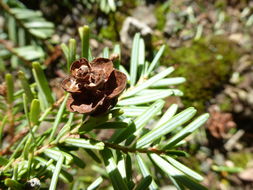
169,187
247,82
56,38
241,39
174,42
237,37
186,34
94,43
206,166
230,91
242,94
244,64
219,158
246,175
171,24
235,78
250,97
235,27
65,38
67,20
238,108
131,26
145,14
175,22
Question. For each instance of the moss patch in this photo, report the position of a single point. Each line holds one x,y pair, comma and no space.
206,64
241,159
226,105
160,13
111,30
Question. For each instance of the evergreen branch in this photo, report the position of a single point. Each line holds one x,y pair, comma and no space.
106,144
8,45
8,10
134,150
22,134
15,139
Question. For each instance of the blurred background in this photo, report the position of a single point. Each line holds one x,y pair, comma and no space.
208,42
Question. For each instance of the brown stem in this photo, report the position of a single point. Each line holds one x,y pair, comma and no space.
5,6
55,54
14,140
107,144
133,150
58,102
24,132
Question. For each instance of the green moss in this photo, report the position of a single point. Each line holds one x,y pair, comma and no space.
206,64
108,31
160,13
226,105
158,39
111,31
241,159
221,4
128,4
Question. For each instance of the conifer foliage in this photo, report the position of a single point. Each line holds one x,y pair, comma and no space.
43,144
